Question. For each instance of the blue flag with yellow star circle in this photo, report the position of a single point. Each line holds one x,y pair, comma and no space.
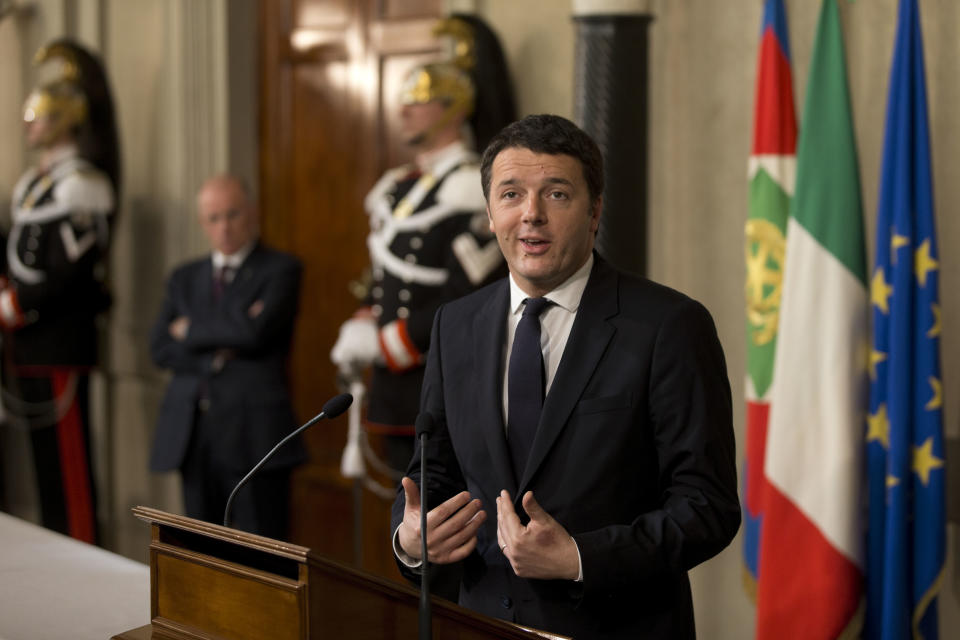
906,538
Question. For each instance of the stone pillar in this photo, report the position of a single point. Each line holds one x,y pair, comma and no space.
610,103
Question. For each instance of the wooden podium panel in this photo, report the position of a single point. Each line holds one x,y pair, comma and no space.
209,582
186,586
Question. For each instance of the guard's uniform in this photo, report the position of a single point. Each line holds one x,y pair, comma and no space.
51,294
429,243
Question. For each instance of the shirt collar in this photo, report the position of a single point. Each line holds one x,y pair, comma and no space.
440,161
234,260
567,295
61,153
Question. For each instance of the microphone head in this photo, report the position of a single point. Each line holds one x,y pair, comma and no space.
337,405
424,424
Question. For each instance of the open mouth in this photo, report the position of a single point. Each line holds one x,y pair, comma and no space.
534,245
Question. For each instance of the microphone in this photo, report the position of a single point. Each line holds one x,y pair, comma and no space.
424,426
333,408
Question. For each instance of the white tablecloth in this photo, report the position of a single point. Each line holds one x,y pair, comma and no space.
53,587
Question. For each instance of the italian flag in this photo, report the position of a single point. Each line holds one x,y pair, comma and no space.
810,581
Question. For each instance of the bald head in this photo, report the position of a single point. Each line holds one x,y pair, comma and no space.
226,214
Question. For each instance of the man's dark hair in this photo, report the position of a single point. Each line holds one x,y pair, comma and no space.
551,135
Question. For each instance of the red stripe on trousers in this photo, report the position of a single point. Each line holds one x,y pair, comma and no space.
806,588
74,465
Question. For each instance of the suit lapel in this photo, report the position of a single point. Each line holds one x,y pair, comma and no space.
205,284
489,330
589,337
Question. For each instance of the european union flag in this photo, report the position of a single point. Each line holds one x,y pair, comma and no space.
905,455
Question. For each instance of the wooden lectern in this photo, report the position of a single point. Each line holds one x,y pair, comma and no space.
213,582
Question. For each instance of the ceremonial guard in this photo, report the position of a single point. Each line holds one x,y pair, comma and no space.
429,237
53,288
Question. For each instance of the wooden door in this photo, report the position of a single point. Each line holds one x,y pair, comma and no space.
329,74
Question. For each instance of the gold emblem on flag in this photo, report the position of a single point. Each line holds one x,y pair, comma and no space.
765,253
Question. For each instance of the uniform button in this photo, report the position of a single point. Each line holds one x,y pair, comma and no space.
377,292
411,258
32,243
28,258
377,310
404,295
403,312
506,602
378,273
416,242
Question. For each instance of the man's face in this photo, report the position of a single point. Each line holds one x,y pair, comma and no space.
226,217
416,120
540,209
41,132
48,122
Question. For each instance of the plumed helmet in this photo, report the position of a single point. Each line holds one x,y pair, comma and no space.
494,106
473,84
76,95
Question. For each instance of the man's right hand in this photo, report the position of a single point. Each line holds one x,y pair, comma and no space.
451,526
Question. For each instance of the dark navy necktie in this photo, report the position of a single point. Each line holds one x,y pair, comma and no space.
525,384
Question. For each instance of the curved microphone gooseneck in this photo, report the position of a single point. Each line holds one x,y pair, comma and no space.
334,407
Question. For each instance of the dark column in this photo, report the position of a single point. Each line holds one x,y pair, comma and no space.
610,104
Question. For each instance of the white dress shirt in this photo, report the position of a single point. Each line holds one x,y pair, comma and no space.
232,261
555,324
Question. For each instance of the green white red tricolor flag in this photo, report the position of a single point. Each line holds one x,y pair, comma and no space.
811,544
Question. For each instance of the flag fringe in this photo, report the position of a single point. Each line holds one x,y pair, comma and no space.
925,602
749,584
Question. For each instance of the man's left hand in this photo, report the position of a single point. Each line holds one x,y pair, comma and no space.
541,549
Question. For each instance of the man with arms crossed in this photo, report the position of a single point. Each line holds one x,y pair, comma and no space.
224,330
617,480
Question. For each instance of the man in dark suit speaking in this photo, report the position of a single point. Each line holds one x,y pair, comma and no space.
224,330
591,410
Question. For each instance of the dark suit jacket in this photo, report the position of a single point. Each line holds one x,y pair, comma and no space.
634,455
249,397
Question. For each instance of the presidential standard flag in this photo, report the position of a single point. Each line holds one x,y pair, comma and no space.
810,582
771,171
905,456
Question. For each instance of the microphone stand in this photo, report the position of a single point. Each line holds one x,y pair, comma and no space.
426,618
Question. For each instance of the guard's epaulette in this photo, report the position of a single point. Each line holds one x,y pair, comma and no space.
87,190
461,189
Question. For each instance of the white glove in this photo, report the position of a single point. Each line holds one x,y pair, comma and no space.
358,345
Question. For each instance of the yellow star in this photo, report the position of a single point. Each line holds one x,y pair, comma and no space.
878,427
935,329
923,263
937,400
896,242
924,461
879,291
876,357
892,481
